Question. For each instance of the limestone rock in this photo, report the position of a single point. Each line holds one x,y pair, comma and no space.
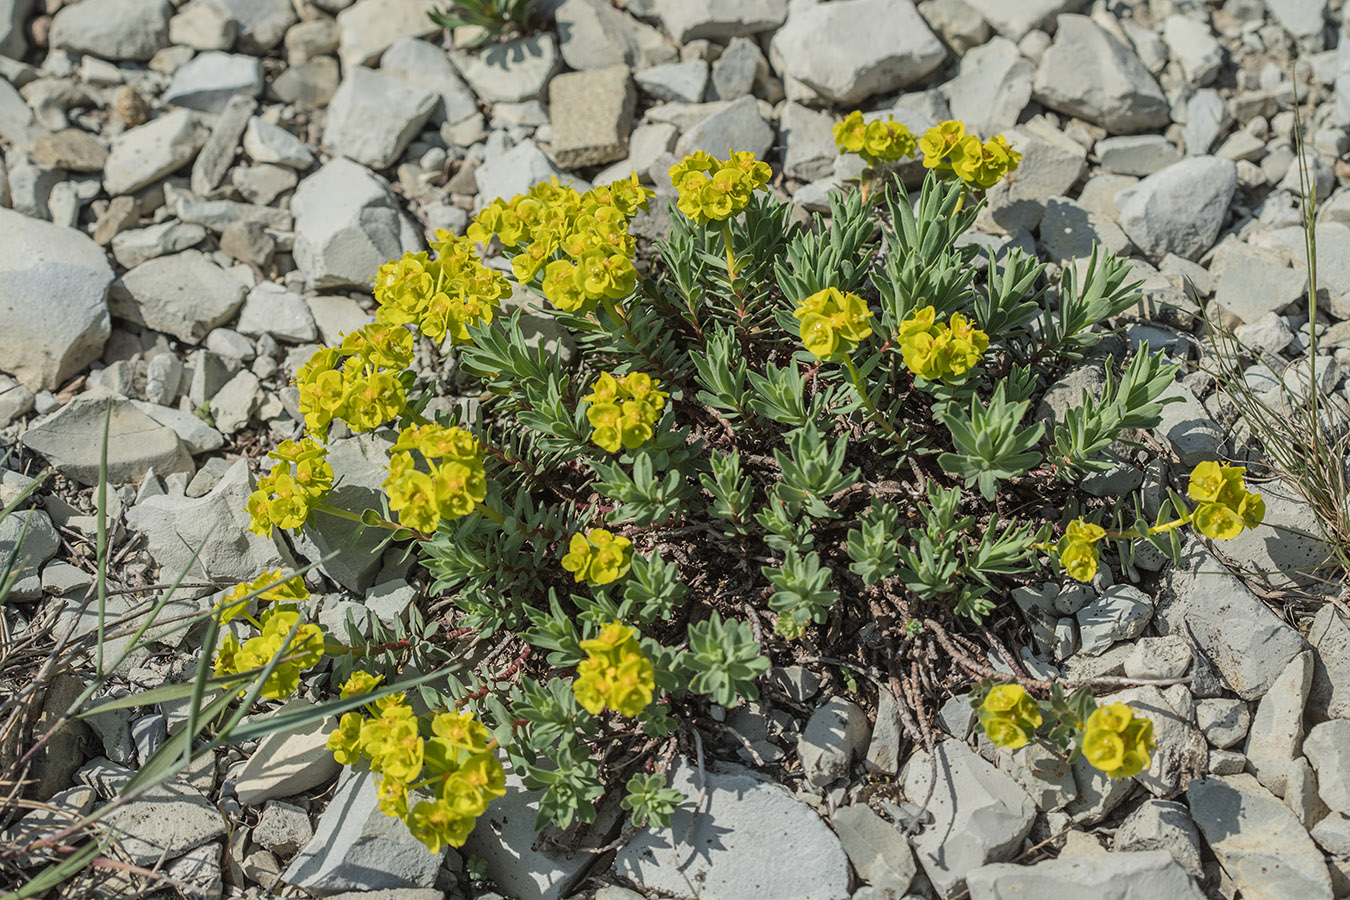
72,438
373,117
145,154
592,115
1088,72
1121,875
1179,209
185,295
112,29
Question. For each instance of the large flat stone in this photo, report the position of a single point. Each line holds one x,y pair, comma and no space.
72,441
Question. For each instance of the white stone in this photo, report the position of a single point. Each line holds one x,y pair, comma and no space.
1051,164
165,822
1304,19
1179,209
836,733
878,849
374,116
1257,839
689,20
593,34
1015,20
511,72
1144,875
185,294
980,815
991,87
131,248
1070,231
288,761
823,47
208,81
1328,749
112,29
744,831
53,308
682,82
1193,48
147,153
71,440
196,435
347,224
271,309
516,171
426,66
268,143
1088,72
1330,637
367,28
1163,825
1136,154
1122,612
262,23
738,126
1181,753
203,25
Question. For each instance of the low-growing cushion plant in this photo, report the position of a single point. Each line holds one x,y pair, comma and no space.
776,441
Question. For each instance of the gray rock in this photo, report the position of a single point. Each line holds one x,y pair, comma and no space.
837,732
738,126
980,815
956,22
1097,794
1015,20
233,405
646,145
336,317
1051,164
1332,834
13,27
1120,875
347,224
743,832
1122,612
823,47
1244,640
131,248
289,761
359,469
1207,117
165,822
262,23
1193,48
196,435
373,117
1267,335
1070,231
357,847
283,828
1328,749
1136,154
1276,735
1163,825
70,149
1180,209
1043,774
734,73
991,87
268,143
16,401
1188,427
1159,657
539,329
367,28
1253,281
883,750
210,79
1223,721
683,82
1226,762
808,135
1258,841
71,440
516,171
1329,635
145,154
309,85
217,154
53,308
29,539
510,72
689,20
426,66
1304,19
217,524
593,34
112,29
203,25
1287,545
185,295
592,115
878,850
1088,72
271,309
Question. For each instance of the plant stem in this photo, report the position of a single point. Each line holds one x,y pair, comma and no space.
856,377
731,256
492,514
354,517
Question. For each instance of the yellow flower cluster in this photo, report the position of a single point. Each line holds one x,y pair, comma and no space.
598,556
947,148
1009,716
833,323
453,484
580,242
359,383
1225,504
274,624
877,142
1117,742
615,673
441,297
270,588
623,411
1078,549
941,351
456,762
712,190
298,482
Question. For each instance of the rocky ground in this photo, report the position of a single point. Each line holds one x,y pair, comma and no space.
194,196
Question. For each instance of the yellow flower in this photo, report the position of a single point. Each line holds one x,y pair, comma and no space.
832,323
393,797
982,166
360,683
940,351
711,190
1084,531
1225,505
598,557
615,674
1079,559
623,412
433,823
939,141
395,749
1009,716
345,740
461,731
1117,742
850,133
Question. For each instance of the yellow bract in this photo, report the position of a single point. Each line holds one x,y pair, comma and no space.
440,297
1117,742
272,588
303,652
1009,716
1078,549
453,485
598,556
359,383
615,674
298,482
713,190
623,411
877,142
941,351
833,323
1225,505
